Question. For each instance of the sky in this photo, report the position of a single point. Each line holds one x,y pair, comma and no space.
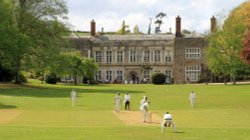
109,14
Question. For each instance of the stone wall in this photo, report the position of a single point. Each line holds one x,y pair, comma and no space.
181,62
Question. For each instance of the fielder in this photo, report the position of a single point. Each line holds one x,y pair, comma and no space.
167,122
73,96
192,99
117,102
145,111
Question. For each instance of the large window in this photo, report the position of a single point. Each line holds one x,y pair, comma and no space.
146,56
193,53
133,56
119,56
168,59
98,56
99,76
119,75
108,56
193,73
109,75
157,56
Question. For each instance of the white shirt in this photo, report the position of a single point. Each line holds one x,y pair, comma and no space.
192,96
143,101
73,94
167,117
127,98
144,106
117,98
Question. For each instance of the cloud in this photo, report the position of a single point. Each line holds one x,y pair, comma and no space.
147,2
110,13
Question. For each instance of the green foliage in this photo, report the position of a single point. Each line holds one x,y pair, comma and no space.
32,29
159,21
225,46
158,78
137,30
23,79
124,29
74,64
52,78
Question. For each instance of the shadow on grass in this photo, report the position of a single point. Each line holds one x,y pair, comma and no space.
3,106
54,91
178,132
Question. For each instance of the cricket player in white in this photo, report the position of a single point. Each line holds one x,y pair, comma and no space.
192,99
117,102
143,101
145,111
73,96
167,122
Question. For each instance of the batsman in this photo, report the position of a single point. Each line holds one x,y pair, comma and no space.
145,111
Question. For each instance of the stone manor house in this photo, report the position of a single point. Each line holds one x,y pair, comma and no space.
134,58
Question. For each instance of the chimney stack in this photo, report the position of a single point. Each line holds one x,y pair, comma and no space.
178,27
213,24
92,28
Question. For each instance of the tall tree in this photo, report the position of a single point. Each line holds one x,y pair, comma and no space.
13,44
124,29
149,26
40,22
159,21
226,43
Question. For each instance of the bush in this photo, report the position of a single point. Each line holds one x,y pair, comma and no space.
158,78
23,79
51,78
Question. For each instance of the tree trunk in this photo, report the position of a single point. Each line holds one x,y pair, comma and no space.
225,79
17,72
234,81
75,79
17,78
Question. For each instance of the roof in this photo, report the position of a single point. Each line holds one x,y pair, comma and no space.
138,37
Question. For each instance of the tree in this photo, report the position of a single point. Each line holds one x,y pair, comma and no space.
226,43
6,40
124,29
76,65
13,44
159,17
91,68
149,26
137,30
39,29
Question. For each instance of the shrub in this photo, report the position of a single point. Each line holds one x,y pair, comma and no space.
158,78
51,78
23,79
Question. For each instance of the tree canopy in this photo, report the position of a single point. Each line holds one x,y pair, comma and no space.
32,33
159,21
226,43
124,29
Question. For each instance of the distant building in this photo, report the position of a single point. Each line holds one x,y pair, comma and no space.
134,58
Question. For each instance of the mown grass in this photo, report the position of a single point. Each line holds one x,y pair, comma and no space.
222,112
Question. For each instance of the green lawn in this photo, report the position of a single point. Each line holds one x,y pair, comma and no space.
41,111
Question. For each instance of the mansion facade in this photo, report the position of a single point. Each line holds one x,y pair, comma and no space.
134,58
